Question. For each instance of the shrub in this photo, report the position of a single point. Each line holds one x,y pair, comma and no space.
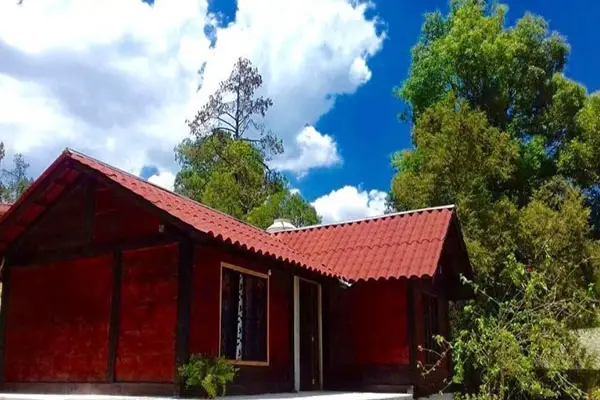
208,373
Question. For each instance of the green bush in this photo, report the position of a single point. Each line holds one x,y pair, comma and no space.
208,373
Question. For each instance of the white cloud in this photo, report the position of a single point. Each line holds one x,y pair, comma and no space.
164,179
295,191
350,202
313,150
359,71
117,78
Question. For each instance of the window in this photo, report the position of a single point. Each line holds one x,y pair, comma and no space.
244,315
431,328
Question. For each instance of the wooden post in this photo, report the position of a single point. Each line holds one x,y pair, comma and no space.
115,314
292,350
6,272
90,209
412,331
184,301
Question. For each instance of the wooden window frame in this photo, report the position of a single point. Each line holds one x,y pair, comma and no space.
260,275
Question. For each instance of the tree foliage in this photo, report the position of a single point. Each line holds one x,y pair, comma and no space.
283,203
13,182
224,162
501,132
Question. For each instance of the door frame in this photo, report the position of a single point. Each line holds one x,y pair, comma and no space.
297,280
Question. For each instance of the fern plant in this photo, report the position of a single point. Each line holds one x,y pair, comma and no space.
208,373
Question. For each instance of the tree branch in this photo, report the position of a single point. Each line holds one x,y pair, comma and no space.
227,123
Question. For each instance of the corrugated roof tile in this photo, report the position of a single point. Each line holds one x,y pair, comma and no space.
401,245
204,219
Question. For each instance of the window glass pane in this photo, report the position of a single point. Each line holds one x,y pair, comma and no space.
229,308
243,316
255,319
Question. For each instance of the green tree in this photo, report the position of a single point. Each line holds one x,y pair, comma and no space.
498,130
224,162
13,182
284,204
515,76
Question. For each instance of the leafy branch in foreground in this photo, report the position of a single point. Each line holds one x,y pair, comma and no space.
518,346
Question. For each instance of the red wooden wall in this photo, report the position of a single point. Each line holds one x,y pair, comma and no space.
379,324
146,339
58,318
67,225
58,315
204,317
57,321
368,324
116,219
204,325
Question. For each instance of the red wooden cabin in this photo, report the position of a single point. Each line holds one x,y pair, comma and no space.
110,283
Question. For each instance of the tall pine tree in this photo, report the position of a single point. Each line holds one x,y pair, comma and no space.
224,164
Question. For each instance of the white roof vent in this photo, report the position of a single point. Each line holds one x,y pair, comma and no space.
280,225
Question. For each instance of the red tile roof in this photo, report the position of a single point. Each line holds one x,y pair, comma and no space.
401,245
202,218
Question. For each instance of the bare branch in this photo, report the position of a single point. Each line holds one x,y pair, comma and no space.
231,127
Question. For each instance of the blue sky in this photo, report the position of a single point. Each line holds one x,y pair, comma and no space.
116,79
365,124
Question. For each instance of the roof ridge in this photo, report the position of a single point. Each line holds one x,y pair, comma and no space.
72,151
367,219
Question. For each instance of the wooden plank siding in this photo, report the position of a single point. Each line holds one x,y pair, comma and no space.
104,295
277,376
373,351
116,229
